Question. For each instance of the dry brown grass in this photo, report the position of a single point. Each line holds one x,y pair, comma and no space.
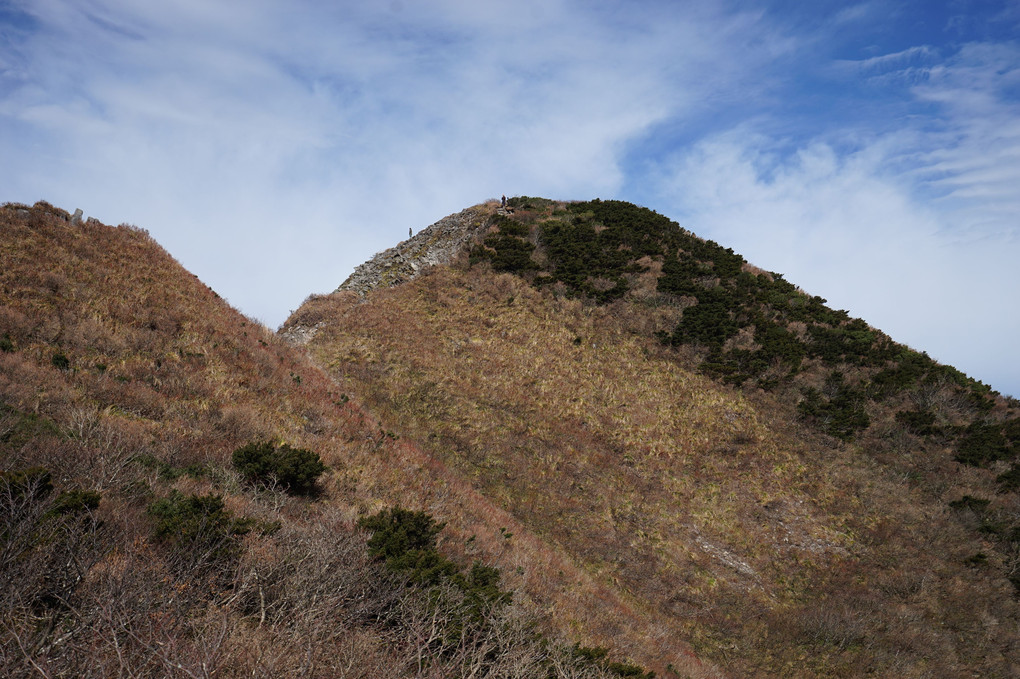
711,516
162,375
652,511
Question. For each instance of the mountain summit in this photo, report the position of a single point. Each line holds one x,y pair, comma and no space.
435,245
566,439
765,481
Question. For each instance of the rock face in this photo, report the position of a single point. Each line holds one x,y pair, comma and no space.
435,245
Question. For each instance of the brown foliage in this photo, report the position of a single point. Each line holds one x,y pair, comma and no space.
164,381
725,522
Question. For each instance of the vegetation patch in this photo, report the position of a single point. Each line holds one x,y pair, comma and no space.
199,529
295,469
838,408
981,443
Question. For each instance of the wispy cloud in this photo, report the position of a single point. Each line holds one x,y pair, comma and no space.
272,146
901,62
338,126
916,230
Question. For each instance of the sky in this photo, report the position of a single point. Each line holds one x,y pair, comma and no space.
869,151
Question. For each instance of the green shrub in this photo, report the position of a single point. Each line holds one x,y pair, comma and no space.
982,443
31,483
974,504
1009,481
481,590
852,342
198,527
510,227
979,559
76,502
709,322
909,367
296,469
839,411
6,343
629,671
918,422
679,277
60,361
167,471
406,541
1010,430
597,656
506,253
778,343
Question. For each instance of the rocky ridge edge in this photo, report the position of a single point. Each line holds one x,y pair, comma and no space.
435,245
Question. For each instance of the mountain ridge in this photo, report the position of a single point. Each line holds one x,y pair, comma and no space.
764,487
125,383
848,421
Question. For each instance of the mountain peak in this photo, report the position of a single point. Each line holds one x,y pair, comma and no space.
434,245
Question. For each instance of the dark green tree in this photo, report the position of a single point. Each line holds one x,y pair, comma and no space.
296,469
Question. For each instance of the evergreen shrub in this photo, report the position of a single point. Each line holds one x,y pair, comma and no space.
981,443
918,422
198,526
839,410
406,541
296,469
60,361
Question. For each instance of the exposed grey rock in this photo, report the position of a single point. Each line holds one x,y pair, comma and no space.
299,335
433,246
438,244
76,217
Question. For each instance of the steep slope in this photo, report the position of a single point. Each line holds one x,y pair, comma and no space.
769,480
131,543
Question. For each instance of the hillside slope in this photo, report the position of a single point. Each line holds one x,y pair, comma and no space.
771,481
133,542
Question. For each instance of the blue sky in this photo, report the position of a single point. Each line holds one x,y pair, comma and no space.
870,151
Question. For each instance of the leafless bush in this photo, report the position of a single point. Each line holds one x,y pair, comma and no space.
241,423
53,281
319,575
104,449
839,625
45,556
15,324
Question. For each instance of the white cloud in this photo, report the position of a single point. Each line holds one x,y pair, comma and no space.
272,146
302,137
842,228
916,230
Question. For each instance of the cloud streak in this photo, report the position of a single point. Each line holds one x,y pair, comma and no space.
916,230
273,147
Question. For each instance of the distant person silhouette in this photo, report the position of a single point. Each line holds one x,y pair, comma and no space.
503,204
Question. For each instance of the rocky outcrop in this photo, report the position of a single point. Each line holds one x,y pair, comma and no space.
435,245
299,335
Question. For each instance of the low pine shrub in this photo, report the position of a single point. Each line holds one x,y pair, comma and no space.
77,501
982,442
296,469
198,528
31,483
974,504
839,410
918,422
1009,481
60,361
597,656
406,541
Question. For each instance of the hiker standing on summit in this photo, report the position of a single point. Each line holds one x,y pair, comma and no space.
503,204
